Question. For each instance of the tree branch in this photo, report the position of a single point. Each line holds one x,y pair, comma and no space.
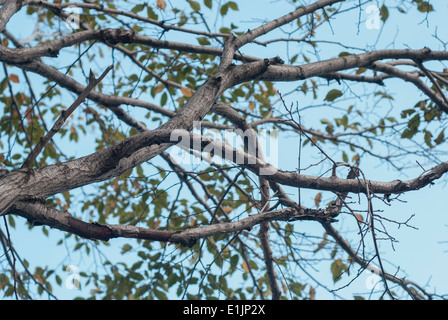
8,9
62,118
40,213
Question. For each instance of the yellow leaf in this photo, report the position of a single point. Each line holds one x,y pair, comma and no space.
251,106
245,267
14,78
317,199
187,92
161,4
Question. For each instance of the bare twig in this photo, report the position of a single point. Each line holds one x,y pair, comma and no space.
63,117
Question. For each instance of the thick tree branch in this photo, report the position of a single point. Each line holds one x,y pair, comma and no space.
414,78
325,67
129,153
7,10
294,179
40,213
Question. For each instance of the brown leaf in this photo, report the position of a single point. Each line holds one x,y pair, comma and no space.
251,106
14,78
285,289
159,88
312,293
317,199
361,70
161,4
227,209
359,218
187,92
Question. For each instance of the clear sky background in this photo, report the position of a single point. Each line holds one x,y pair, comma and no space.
420,254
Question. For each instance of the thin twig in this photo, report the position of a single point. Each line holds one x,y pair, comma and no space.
63,117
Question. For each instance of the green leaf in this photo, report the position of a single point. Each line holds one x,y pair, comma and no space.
233,5
151,14
203,41
194,5
297,288
208,3
384,13
414,122
12,223
138,8
427,138
329,127
384,95
337,268
425,6
440,138
333,94
164,99
126,248
321,244
58,280
408,133
344,157
406,113
224,9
